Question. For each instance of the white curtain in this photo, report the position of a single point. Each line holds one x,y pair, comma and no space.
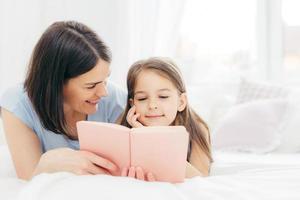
133,29
143,28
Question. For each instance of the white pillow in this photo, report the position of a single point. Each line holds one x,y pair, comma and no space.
252,127
290,138
6,167
211,100
2,137
255,90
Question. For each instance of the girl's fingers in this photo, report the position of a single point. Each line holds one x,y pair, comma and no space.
132,118
131,112
131,172
140,173
130,115
135,122
150,177
124,171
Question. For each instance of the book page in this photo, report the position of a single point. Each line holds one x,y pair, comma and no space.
110,141
161,150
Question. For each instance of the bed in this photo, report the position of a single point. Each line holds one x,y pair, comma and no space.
256,152
234,175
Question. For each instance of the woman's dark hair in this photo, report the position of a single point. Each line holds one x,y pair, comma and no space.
66,50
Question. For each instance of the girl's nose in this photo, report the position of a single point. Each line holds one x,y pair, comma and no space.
153,105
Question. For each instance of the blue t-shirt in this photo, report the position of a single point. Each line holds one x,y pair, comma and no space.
17,102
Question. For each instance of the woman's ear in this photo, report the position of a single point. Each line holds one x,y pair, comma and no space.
131,102
182,102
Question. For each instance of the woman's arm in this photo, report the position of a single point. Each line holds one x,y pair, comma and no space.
28,159
23,144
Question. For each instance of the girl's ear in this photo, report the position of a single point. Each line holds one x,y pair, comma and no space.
182,102
131,102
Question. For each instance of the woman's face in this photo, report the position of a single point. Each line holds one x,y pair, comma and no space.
83,93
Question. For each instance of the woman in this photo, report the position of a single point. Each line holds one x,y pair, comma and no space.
66,82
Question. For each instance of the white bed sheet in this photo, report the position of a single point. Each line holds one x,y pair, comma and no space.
226,163
233,176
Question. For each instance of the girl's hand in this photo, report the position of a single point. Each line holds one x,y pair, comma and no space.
132,117
77,162
138,173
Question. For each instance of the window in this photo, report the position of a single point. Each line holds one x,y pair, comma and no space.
291,39
217,40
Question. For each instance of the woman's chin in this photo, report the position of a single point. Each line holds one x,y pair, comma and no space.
91,110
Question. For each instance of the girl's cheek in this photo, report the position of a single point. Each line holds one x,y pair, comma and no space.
139,109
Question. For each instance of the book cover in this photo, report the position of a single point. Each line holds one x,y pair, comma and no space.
161,150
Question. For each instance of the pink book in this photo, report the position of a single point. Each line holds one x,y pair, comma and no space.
161,150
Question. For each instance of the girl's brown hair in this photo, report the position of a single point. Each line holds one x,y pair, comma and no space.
187,118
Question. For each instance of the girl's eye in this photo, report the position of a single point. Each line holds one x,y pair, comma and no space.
141,99
163,97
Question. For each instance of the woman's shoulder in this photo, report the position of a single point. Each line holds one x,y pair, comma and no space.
12,96
16,101
116,95
115,89
112,105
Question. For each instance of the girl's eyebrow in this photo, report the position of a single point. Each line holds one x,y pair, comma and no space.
160,90
139,92
164,89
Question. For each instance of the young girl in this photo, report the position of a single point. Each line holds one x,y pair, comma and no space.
157,97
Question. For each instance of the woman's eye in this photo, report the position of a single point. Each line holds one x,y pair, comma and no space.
91,87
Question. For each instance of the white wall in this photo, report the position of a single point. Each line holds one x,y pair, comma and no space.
2,138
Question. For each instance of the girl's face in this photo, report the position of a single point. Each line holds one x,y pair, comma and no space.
156,99
83,93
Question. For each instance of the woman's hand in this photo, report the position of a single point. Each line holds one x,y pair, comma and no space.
77,162
132,117
138,173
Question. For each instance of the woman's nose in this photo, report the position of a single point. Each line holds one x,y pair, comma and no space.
101,90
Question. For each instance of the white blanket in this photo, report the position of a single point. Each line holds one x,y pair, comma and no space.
234,176
273,183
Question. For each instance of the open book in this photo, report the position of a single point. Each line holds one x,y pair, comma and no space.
161,150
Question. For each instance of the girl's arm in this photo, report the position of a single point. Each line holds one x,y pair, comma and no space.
199,160
26,152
